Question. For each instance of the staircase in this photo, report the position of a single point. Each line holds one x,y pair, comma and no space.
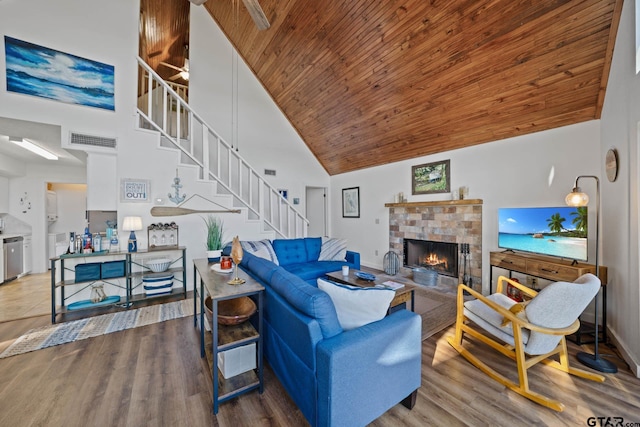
161,108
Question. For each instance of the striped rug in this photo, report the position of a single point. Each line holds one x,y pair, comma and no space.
62,333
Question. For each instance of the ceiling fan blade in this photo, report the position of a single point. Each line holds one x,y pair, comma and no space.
175,77
171,66
257,14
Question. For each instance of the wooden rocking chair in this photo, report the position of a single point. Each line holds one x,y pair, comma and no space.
528,333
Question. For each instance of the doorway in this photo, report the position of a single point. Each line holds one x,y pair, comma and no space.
70,215
316,211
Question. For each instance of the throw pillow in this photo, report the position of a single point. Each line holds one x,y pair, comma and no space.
518,310
357,306
261,249
333,249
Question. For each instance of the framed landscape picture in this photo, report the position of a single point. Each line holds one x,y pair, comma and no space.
431,178
351,202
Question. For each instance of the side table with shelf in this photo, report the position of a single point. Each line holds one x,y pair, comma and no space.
133,270
227,337
550,269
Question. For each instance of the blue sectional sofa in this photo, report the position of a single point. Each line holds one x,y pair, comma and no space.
300,257
335,377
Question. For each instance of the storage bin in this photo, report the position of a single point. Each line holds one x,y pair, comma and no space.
423,276
157,284
112,269
237,360
87,272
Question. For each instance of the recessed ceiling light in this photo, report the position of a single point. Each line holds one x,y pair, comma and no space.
36,149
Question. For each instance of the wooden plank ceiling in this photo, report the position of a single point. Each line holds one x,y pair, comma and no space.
164,35
367,82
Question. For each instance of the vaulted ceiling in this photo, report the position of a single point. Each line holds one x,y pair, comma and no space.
367,82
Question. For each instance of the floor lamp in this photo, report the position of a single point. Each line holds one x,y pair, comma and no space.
578,198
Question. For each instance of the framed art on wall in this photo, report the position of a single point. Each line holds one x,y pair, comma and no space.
134,190
431,178
48,73
351,202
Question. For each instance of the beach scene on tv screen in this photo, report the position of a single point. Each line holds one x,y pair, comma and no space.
555,231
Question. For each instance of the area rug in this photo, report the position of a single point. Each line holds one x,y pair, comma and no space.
62,333
437,309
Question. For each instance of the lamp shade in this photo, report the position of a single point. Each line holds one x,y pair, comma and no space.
132,223
577,198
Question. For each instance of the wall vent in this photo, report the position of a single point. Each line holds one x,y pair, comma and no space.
93,141
271,172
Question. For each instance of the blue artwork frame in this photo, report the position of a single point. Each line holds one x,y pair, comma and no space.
47,73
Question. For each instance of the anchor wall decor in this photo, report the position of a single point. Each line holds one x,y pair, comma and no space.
177,199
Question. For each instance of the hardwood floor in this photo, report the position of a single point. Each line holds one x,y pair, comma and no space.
154,376
25,297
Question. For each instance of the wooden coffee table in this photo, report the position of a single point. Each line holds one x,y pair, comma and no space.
403,295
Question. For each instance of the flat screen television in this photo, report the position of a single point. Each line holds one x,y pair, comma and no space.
554,231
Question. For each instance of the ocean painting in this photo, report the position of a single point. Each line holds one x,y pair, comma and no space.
556,231
48,73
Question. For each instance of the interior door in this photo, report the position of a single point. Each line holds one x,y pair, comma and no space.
316,211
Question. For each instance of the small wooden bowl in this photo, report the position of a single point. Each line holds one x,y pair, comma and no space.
232,311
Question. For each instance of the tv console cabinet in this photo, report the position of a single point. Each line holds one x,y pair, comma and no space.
550,269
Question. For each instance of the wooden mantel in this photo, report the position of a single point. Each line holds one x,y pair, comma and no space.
436,203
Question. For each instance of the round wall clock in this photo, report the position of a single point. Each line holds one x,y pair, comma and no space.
611,164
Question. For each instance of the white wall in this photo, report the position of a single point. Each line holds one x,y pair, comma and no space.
72,207
620,130
267,139
34,183
102,31
4,194
108,32
105,32
8,165
531,170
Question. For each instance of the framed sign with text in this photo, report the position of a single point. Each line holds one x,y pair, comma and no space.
134,190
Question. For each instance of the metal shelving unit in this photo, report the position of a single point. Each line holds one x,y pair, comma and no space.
134,271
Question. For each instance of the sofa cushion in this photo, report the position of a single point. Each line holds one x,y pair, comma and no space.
261,249
313,270
290,251
357,306
333,249
309,300
261,267
313,246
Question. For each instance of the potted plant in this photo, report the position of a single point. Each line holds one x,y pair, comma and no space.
214,237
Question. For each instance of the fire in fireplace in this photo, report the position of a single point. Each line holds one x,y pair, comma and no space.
439,256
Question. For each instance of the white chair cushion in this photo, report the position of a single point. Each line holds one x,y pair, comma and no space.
357,306
490,320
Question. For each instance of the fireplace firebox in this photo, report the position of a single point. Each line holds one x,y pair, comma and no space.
439,256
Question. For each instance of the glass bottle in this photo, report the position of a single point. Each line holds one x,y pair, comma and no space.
114,244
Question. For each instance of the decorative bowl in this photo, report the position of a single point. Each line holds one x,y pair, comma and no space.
365,276
158,265
231,311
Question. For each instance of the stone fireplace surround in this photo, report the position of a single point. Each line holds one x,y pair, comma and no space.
454,221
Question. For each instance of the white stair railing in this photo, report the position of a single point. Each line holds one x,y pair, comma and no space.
162,109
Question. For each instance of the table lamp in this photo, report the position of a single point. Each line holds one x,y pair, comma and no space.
133,224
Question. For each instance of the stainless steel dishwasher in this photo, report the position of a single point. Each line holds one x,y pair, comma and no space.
12,257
